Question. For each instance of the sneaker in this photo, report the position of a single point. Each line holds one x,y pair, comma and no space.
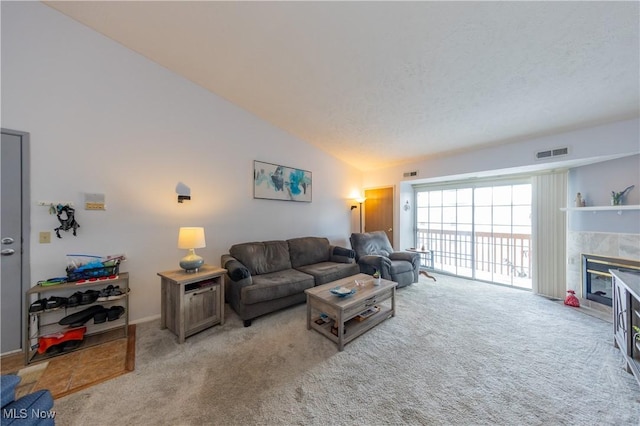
104,293
117,293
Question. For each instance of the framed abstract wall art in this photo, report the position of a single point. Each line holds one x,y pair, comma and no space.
275,182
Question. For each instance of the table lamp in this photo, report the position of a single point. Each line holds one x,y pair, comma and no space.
191,238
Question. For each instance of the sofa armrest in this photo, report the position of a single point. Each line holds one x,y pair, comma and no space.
373,262
236,271
342,255
414,258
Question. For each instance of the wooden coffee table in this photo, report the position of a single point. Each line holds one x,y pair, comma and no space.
349,317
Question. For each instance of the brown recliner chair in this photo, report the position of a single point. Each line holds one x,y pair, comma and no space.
375,253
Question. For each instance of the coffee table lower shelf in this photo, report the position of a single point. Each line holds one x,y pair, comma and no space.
352,328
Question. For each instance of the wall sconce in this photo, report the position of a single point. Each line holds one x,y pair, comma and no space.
191,238
183,191
407,206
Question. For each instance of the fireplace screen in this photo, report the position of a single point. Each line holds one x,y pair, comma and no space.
597,279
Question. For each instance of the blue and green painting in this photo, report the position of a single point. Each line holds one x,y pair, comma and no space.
275,182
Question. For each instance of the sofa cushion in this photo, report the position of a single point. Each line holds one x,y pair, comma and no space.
263,257
308,250
400,266
325,272
275,285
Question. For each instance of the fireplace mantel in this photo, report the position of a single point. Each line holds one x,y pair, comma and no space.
596,209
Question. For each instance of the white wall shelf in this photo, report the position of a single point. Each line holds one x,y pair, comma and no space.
596,209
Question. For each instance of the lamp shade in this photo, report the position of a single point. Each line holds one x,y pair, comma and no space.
191,238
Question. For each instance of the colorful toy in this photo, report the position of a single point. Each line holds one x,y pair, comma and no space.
571,299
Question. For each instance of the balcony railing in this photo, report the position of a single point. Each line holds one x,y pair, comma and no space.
503,258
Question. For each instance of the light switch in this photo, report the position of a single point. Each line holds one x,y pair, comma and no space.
45,237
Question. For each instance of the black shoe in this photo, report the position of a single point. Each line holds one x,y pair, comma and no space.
114,313
38,306
79,318
55,302
100,317
89,296
74,299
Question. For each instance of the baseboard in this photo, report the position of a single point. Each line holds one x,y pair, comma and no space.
145,319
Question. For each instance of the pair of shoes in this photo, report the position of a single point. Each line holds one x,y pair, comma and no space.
64,346
79,318
111,314
80,298
54,302
111,293
61,340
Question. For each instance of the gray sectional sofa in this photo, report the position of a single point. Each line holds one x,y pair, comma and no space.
266,276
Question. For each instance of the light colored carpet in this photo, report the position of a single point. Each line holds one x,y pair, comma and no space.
458,352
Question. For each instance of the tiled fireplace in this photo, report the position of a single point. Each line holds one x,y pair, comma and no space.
596,278
602,246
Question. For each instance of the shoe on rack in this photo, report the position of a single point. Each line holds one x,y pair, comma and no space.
117,293
89,296
74,299
104,293
55,302
100,316
38,306
115,312
79,318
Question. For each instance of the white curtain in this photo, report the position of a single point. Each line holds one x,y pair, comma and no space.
549,234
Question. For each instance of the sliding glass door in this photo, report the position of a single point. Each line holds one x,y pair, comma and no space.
481,232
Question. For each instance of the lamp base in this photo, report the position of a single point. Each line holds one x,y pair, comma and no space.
191,262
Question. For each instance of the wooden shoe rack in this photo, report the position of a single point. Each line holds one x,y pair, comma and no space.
46,322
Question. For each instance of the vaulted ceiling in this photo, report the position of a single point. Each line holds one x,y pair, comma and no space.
383,83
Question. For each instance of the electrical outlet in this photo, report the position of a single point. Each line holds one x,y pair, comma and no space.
45,237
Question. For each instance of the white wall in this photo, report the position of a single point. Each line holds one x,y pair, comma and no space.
104,119
592,144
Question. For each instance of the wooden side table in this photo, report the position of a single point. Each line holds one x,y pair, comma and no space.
192,302
427,257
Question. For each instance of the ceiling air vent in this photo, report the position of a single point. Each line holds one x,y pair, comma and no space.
410,174
560,151
552,153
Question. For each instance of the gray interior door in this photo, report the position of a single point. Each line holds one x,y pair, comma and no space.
13,233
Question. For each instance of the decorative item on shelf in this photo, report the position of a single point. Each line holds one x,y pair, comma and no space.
617,197
571,299
191,238
376,277
578,200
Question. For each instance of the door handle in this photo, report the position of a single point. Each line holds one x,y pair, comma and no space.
390,229
7,252
7,240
